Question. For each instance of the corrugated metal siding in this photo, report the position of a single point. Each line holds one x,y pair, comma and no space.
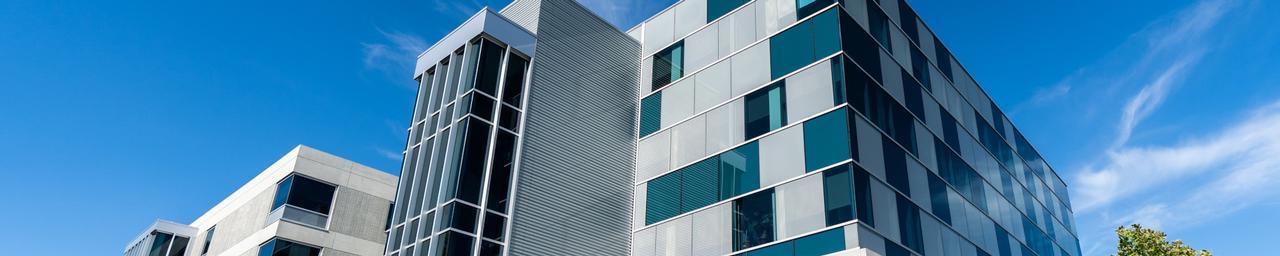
523,13
573,192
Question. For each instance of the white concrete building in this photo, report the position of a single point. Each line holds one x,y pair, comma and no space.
307,203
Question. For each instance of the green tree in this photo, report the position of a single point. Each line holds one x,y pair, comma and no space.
1136,240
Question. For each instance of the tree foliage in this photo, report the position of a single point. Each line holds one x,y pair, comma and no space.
1136,240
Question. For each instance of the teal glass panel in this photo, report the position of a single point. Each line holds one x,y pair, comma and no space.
781,249
650,114
826,33
804,8
826,140
700,184
804,43
837,194
663,198
819,244
739,170
718,8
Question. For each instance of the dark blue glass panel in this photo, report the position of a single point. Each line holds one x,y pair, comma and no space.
862,195
879,25
827,140
895,167
662,198
668,65
920,68
753,220
837,192
909,224
908,20
819,244
739,170
943,58
938,199
650,114
765,110
282,192
700,184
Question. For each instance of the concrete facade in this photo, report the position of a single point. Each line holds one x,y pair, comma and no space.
355,224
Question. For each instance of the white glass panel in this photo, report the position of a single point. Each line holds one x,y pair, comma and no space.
714,230
677,102
640,201
782,156
700,48
653,156
689,16
644,243
713,86
658,32
744,27
646,76
674,238
851,234
773,15
724,126
809,92
688,141
800,206
751,68
724,37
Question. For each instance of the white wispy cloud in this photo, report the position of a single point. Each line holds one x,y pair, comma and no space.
624,13
396,53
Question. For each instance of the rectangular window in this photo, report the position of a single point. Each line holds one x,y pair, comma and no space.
895,166
879,25
837,192
699,186
650,114
827,140
460,216
804,43
753,220
861,48
452,243
280,247
920,68
662,200
500,174
804,8
513,86
765,110
494,226
312,197
668,65
881,108
914,97
490,67
908,18
718,8
862,196
943,58
909,224
938,199
739,170
819,244
208,240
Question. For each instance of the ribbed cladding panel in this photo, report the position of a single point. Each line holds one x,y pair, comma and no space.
523,13
573,192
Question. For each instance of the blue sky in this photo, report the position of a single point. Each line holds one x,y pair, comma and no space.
114,114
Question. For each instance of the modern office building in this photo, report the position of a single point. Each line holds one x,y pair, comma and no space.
308,203
809,127
716,127
522,139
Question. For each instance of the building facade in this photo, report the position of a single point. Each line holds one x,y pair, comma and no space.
716,127
812,127
308,203
522,139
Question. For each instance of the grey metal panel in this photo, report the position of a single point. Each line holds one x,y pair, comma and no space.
573,187
359,214
523,13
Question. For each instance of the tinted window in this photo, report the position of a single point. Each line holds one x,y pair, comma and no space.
490,67
160,244
804,8
765,110
938,199
879,24
920,68
471,168
753,220
490,248
500,176
804,43
819,244
895,167
837,194
650,114
909,224
493,226
304,193
943,58
827,140
908,18
782,249
208,238
179,247
668,65
663,198
862,195
277,247
460,216
453,243
717,8
513,87
883,111
739,170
